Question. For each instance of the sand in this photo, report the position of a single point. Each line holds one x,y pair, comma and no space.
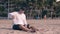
49,26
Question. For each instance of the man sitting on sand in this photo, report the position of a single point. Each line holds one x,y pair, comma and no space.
20,23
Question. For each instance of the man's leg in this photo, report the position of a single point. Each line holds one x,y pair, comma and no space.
35,29
32,27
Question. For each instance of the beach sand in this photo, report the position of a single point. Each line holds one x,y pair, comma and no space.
48,26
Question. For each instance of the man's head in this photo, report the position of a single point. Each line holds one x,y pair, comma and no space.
21,10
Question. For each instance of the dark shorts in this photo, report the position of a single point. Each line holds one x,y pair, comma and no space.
17,27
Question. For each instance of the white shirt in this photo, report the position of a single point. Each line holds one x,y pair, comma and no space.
19,18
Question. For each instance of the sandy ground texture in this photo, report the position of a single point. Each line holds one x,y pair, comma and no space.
49,26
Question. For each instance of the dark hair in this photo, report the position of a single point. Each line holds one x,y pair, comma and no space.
18,9
21,8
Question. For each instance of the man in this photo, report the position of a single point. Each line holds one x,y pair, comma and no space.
20,23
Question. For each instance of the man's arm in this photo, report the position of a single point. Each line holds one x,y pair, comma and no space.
25,21
11,15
